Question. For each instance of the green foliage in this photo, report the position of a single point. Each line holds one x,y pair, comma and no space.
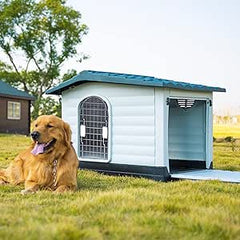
106,207
46,106
45,34
69,74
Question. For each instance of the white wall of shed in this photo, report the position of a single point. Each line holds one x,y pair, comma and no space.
132,120
139,120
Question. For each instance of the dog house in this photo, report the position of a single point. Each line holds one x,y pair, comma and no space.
138,125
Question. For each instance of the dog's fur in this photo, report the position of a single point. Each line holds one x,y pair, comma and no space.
35,171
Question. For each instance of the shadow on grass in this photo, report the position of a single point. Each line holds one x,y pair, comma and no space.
90,180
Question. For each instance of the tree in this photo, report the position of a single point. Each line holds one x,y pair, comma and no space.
37,38
69,74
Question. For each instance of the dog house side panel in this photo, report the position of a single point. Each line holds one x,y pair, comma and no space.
161,127
131,111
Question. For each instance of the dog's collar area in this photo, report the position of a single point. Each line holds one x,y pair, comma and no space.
54,172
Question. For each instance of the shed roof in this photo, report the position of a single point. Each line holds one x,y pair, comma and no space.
7,90
130,79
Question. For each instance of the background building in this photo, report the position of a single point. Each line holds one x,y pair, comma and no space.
14,110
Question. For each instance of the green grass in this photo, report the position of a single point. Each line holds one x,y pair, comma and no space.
10,146
225,158
107,207
221,131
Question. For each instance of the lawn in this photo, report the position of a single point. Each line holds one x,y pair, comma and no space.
107,207
220,131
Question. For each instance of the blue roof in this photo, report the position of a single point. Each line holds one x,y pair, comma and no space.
9,91
130,79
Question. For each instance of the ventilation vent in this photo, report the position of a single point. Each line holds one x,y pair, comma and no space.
185,103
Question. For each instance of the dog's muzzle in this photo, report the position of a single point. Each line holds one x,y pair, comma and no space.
35,135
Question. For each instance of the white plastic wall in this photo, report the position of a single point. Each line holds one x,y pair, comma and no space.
132,114
139,120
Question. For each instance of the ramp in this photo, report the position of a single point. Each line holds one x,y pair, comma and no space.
208,174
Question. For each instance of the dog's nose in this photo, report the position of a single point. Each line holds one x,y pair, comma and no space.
35,135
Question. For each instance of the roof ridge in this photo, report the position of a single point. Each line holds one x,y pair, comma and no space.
118,74
130,79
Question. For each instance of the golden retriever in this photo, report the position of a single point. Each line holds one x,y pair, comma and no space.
50,163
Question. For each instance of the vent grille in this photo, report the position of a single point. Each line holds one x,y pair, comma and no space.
185,103
94,127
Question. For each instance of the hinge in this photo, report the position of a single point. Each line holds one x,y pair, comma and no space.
209,102
168,101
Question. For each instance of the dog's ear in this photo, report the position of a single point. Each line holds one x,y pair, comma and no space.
67,134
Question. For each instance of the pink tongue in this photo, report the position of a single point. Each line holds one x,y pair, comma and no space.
38,148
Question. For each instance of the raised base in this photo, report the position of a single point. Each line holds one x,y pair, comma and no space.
156,173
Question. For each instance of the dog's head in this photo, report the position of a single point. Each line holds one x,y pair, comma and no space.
50,132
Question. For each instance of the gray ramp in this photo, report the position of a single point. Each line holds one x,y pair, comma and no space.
208,174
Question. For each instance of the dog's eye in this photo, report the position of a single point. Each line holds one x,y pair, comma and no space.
49,126
36,125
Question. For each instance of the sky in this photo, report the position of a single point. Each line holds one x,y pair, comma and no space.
195,41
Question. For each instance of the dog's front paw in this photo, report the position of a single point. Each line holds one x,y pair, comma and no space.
27,191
